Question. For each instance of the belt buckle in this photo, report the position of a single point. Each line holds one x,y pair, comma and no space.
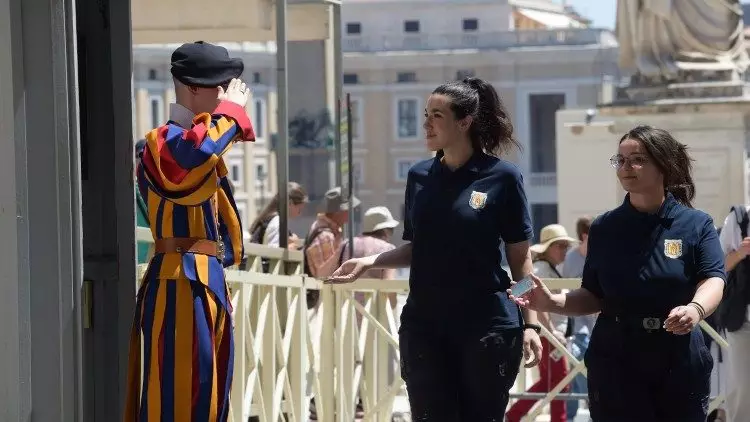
651,324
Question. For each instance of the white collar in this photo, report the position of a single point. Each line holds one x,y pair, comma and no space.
181,115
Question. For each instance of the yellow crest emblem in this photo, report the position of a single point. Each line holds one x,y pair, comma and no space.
673,248
477,200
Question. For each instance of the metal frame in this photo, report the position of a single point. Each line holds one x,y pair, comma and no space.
42,257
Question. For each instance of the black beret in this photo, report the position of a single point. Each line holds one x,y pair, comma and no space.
205,65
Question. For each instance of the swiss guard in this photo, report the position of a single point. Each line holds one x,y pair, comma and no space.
183,313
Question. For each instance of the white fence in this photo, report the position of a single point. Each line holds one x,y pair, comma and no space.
341,351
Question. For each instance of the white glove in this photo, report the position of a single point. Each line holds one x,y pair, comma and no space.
237,92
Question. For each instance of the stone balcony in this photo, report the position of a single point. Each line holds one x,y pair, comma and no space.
477,40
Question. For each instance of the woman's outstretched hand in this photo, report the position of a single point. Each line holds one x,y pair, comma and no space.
539,298
350,270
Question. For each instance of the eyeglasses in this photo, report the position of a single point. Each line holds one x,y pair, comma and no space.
617,161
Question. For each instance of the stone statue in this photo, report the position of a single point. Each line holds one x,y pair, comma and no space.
664,41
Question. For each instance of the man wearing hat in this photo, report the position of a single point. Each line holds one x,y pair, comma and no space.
183,314
322,246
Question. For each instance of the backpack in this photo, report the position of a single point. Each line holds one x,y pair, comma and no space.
257,237
731,313
313,295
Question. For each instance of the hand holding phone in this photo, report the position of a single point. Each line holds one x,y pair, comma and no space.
522,287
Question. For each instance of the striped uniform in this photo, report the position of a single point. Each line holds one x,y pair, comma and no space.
183,315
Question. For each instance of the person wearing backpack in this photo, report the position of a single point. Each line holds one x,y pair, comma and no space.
732,313
265,228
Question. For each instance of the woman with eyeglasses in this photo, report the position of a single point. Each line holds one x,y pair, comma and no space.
654,270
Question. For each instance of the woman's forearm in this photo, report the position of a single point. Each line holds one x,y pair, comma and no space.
519,261
709,294
575,303
395,258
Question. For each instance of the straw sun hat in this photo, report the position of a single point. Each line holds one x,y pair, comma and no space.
550,234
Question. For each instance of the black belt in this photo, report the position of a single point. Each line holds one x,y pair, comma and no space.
645,323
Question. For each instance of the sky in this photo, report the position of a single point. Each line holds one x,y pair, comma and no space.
602,12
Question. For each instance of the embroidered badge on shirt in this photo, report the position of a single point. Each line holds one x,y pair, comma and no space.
477,200
673,248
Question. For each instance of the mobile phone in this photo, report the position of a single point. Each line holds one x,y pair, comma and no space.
522,287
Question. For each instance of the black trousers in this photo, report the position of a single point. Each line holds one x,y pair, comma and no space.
634,375
466,379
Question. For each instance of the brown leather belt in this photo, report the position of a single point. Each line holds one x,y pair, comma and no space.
186,245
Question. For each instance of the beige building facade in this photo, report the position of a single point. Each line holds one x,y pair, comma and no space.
540,56
392,64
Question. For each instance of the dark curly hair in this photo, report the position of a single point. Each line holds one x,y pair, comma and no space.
670,157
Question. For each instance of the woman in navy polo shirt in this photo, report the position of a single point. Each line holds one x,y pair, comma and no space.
654,269
461,338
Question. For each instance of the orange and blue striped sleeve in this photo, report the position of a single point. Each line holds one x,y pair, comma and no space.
180,164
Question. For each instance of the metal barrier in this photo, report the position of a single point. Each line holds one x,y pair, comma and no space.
344,349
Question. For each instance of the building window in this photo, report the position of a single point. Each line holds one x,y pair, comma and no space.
353,28
542,110
152,74
259,117
242,211
411,26
542,215
256,77
358,172
406,77
356,123
351,78
156,110
465,73
407,118
260,172
236,172
470,25
402,168
262,182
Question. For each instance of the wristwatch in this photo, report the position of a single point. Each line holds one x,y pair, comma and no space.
534,327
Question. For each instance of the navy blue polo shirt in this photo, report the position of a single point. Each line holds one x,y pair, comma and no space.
455,220
642,264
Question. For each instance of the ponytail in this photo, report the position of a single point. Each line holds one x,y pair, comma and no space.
491,129
683,193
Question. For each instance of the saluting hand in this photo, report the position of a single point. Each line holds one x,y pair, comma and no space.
237,92
682,320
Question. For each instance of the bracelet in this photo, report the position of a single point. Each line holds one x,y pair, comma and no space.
535,327
698,307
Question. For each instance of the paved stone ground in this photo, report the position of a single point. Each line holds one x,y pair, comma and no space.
401,412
